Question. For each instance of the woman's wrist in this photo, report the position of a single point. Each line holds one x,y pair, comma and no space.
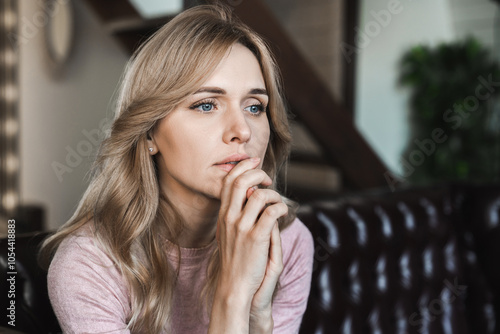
261,322
230,312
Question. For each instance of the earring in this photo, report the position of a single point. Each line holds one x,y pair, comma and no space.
150,149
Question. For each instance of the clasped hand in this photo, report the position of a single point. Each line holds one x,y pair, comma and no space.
249,239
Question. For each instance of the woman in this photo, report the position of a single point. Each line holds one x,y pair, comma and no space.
181,229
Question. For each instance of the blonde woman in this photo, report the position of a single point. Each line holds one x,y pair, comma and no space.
181,229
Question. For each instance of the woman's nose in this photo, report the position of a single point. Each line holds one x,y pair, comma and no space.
237,127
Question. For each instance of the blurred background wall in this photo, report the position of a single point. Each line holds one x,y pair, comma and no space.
381,107
56,109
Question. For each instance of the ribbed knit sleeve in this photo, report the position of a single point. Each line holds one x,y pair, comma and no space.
295,280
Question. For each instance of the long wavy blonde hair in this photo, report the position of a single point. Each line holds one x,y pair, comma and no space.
131,217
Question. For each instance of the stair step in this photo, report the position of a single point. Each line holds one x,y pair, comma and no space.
313,176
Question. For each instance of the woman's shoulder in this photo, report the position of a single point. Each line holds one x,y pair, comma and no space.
84,283
296,231
81,247
297,242
81,263
295,280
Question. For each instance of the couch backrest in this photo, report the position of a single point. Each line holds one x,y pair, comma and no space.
403,262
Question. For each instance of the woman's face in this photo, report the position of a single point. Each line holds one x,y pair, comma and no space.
226,116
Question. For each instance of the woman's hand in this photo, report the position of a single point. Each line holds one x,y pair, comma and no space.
261,320
249,245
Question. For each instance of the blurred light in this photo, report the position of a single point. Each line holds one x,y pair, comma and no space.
11,163
10,93
11,127
9,58
9,200
9,19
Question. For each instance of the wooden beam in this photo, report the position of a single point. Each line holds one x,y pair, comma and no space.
351,15
122,20
329,122
303,157
131,33
113,10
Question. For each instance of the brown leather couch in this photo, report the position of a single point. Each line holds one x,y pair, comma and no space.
412,261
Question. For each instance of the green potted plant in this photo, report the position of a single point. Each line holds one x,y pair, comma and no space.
454,114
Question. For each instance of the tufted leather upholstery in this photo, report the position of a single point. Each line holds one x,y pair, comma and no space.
412,261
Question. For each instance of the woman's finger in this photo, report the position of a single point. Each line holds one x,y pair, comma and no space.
263,296
256,205
250,191
264,226
228,180
241,185
234,199
275,251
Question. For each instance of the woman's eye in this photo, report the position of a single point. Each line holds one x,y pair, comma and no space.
255,109
206,107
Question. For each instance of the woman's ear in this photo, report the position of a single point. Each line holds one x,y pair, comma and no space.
152,148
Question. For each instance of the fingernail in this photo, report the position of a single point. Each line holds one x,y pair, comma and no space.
250,191
255,159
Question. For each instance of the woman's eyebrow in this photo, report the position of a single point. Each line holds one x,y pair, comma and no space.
214,90
258,91
220,91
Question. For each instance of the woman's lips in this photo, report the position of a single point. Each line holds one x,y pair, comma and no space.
226,167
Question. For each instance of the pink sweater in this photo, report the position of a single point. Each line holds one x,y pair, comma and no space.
89,295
